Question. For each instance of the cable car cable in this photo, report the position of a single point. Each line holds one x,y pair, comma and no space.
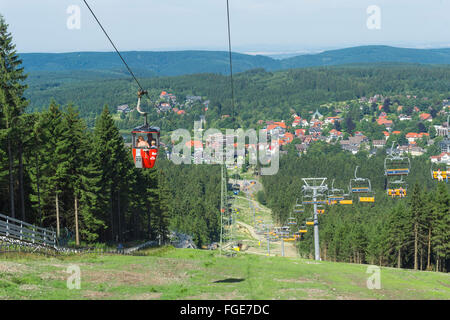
115,48
231,63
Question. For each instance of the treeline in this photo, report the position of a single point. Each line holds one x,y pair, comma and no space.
65,175
413,232
57,173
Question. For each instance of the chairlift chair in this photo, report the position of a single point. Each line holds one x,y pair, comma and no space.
291,221
335,195
362,187
397,189
299,207
396,164
440,171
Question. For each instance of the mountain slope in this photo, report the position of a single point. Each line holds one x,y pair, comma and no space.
172,63
369,54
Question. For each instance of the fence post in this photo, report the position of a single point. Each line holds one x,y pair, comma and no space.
7,227
21,228
34,231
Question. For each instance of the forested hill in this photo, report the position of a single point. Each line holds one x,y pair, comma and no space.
259,94
170,63
369,54
173,63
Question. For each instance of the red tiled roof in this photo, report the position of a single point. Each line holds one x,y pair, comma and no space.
195,144
281,124
425,116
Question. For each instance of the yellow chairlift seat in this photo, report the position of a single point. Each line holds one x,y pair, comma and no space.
309,223
443,174
366,199
303,230
397,192
346,202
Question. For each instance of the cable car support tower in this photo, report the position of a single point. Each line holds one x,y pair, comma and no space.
318,187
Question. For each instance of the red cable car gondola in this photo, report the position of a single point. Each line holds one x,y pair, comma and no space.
145,149
145,141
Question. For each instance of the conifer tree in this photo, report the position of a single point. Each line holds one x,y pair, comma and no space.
399,231
441,226
82,176
12,101
54,163
417,214
112,159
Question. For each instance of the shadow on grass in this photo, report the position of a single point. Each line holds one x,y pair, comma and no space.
229,280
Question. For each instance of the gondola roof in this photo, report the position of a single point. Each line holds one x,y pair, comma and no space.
146,128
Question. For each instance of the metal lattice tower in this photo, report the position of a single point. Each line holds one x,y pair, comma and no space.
227,216
317,187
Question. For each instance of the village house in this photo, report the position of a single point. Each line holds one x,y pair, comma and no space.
334,134
123,108
383,121
404,117
426,117
331,120
296,122
441,130
352,148
444,157
164,107
304,123
416,151
445,145
315,131
193,99
279,127
379,143
300,132
412,136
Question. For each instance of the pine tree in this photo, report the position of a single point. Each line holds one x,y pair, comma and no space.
441,226
12,101
82,176
54,155
161,214
417,205
399,231
112,158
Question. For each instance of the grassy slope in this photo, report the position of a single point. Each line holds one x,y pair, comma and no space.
168,273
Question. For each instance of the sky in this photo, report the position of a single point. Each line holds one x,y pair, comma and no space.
257,26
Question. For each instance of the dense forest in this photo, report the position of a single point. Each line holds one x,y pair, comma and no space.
56,172
259,95
412,232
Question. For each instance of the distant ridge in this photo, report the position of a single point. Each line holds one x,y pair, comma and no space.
173,63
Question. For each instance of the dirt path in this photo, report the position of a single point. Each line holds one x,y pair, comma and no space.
260,245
